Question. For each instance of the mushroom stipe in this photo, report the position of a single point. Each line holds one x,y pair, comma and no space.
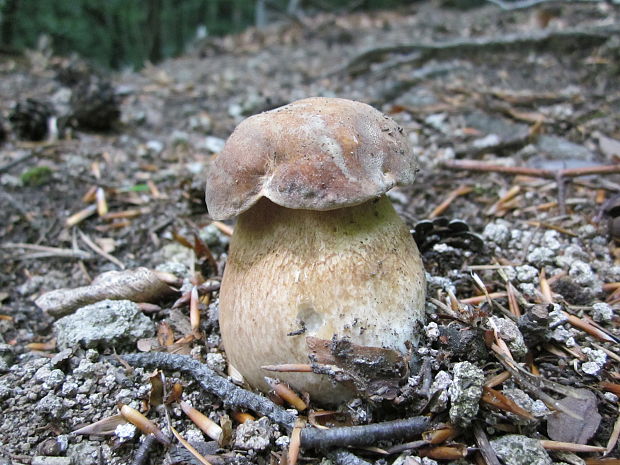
317,244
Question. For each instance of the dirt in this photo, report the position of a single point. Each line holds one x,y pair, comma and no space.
549,104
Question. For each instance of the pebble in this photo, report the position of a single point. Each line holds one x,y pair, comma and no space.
441,383
602,312
107,323
514,449
465,393
510,333
254,435
44,460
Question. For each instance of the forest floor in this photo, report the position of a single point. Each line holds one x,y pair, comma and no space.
530,96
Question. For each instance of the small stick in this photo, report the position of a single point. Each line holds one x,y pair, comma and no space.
223,227
570,446
210,381
613,439
481,298
365,434
588,328
87,240
443,206
472,165
485,446
144,451
80,216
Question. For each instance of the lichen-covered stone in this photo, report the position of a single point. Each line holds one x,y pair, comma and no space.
514,449
109,323
465,393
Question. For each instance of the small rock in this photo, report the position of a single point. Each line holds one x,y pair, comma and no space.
7,357
50,406
510,333
43,460
602,312
254,435
125,432
514,449
214,144
104,324
582,273
441,383
464,342
526,273
541,256
597,360
534,325
465,393
54,446
216,362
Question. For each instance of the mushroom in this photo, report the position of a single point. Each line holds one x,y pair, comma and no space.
318,250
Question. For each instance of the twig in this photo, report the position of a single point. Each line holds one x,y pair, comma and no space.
451,197
472,165
576,37
87,240
144,451
524,4
47,252
210,381
6,167
365,434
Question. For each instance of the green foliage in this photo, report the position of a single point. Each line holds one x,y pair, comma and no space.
36,176
120,33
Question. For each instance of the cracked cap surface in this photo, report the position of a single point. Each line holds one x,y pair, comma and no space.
312,154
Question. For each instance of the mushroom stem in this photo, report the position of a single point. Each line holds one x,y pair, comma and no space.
352,272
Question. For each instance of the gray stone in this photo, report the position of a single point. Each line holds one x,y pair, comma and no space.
602,312
465,393
514,449
7,357
105,324
510,333
254,435
43,460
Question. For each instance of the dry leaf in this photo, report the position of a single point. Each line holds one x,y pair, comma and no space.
562,427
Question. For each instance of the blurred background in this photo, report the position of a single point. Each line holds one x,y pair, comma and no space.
127,33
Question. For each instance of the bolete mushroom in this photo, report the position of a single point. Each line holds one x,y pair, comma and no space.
318,250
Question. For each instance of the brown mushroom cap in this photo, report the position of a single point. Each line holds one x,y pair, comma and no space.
312,154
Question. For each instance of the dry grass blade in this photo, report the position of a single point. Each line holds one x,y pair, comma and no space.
499,400
570,446
223,227
497,379
451,197
545,288
42,251
295,442
189,447
613,439
481,298
588,328
103,427
87,240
